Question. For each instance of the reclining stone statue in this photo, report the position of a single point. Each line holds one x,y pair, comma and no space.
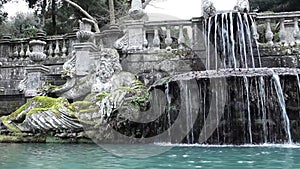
109,87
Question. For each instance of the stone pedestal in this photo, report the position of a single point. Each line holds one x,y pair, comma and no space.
135,35
108,37
35,79
5,49
83,57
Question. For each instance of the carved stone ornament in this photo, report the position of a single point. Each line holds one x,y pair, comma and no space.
136,11
208,8
242,6
122,43
85,30
37,54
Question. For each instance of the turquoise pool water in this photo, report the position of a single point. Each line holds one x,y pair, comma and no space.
88,156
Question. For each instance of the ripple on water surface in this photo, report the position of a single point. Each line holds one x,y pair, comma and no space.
87,156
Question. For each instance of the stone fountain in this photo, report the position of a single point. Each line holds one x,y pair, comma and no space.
156,87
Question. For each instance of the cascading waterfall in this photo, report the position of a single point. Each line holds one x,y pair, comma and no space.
248,115
235,51
248,108
281,100
249,40
262,95
169,107
232,40
298,81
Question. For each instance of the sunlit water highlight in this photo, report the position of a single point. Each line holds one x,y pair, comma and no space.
89,156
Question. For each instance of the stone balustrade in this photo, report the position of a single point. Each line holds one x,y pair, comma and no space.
167,34
159,35
57,47
280,28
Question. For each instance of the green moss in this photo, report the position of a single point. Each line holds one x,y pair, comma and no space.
44,101
21,139
48,88
36,102
61,103
81,104
90,110
101,96
68,140
174,53
36,110
12,128
9,139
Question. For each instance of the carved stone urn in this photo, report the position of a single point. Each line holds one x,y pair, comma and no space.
37,54
85,30
136,11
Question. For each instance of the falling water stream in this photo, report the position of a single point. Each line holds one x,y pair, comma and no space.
262,95
281,100
248,108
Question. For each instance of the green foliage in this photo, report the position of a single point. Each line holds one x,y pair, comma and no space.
23,25
138,95
275,5
3,15
59,17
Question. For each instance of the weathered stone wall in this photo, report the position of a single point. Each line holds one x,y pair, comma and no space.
11,73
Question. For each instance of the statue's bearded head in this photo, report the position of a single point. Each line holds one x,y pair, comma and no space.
104,71
108,65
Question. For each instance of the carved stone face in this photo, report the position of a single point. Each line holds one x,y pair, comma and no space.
108,65
104,71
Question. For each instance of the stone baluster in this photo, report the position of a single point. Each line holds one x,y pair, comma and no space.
27,53
296,32
181,39
269,34
156,40
22,53
145,43
56,50
282,32
16,53
64,49
50,50
168,39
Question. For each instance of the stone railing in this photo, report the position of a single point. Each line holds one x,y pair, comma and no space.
167,34
282,27
160,35
57,47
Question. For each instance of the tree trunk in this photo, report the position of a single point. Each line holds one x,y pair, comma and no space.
112,12
85,13
53,13
146,3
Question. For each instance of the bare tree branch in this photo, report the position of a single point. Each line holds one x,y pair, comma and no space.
85,13
146,3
